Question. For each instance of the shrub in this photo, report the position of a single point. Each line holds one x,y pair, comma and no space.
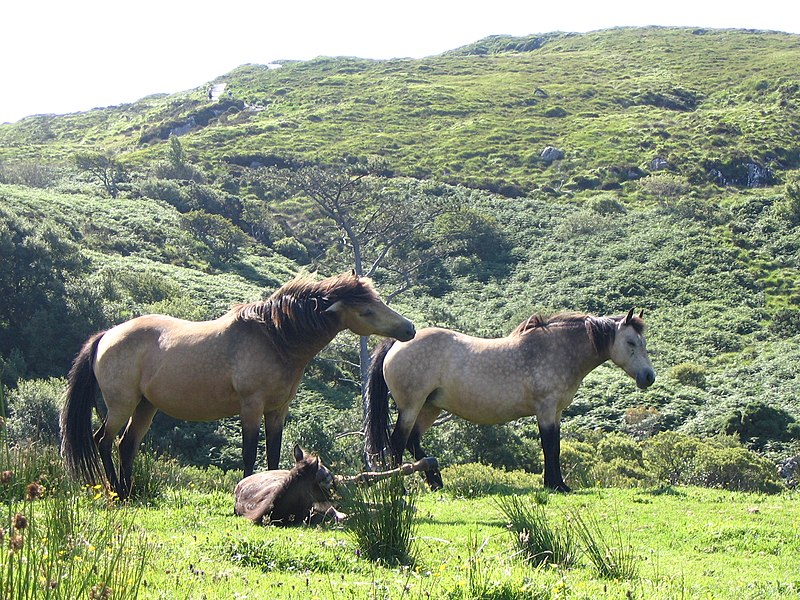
689,374
577,461
472,480
166,190
664,186
33,411
292,249
642,421
736,469
669,456
619,462
676,458
224,240
758,422
606,204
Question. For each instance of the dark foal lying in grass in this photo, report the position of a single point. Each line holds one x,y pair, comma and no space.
303,494
299,495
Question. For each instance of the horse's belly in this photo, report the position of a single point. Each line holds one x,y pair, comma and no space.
192,397
488,408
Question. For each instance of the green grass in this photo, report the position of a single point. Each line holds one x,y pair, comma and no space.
688,543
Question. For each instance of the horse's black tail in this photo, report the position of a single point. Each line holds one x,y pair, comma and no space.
377,445
77,441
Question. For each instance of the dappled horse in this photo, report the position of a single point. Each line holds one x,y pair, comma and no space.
535,370
247,362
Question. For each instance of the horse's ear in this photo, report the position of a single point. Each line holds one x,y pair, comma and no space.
335,307
298,452
629,318
641,314
353,272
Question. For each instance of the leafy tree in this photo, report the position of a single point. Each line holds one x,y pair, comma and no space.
103,168
176,165
223,239
368,224
41,319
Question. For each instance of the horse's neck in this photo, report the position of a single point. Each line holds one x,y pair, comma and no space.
571,349
313,347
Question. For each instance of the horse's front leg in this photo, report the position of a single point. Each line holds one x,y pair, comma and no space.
251,428
273,423
550,433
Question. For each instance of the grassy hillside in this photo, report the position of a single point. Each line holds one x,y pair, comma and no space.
676,193
705,101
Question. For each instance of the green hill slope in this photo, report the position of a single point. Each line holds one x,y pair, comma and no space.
676,192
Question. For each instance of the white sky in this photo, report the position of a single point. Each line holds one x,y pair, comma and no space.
60,56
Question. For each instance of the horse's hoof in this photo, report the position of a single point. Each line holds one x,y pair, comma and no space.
559,487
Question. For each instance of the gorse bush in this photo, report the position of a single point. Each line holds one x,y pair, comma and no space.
473,480
33,411
675,458
689,374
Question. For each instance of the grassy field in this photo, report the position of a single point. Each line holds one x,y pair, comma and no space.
686,543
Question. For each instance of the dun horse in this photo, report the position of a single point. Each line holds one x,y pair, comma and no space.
535,370
248,362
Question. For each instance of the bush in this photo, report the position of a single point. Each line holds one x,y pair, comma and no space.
757,423
664,186
689,374
292,249
33,411
472,480
669,456
736,469
676,458
606,204
577,461
223,239
166,190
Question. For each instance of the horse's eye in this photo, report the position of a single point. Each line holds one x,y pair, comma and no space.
631,343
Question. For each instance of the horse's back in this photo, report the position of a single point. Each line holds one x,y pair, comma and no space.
457,372
181,367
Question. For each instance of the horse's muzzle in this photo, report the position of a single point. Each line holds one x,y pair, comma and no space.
644,379
405,332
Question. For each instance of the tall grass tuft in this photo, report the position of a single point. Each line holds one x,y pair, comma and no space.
537,539
55,543
381,520
612,557
479,585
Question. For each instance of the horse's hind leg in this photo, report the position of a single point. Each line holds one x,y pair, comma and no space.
425,419
138,426
104,438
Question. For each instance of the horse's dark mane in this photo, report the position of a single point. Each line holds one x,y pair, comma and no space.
295,315
601,330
